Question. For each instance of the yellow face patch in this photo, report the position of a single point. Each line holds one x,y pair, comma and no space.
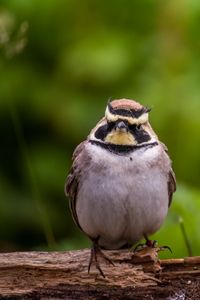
120,138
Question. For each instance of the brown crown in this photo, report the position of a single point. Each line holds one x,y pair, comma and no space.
126,104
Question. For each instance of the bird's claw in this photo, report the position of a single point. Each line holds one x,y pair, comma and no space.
95,252
150,244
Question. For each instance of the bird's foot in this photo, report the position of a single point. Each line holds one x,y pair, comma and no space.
95,252
150,244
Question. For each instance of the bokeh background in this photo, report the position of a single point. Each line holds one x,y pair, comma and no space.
60,61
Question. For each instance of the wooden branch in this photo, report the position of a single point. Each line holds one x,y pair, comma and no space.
56,275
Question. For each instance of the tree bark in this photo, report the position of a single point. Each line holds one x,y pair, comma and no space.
63,275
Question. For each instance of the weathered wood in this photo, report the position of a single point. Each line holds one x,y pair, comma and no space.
63,275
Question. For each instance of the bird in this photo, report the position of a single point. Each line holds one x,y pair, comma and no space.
121,182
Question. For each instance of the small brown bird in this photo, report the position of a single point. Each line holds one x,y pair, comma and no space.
121,182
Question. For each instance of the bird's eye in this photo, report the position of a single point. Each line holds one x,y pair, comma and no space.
132,127
103,130
110,125
138,127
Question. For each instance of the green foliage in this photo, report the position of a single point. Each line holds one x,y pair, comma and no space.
60,61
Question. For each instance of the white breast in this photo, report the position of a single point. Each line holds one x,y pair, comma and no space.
121,198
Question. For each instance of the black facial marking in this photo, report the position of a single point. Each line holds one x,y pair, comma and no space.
139,134
122,149
102,131
128,112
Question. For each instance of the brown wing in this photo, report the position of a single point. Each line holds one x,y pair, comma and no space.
171,185
72,182
171,179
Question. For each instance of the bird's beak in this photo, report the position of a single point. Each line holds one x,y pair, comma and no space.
121,126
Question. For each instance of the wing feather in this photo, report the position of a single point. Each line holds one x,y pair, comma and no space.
72,181
171,179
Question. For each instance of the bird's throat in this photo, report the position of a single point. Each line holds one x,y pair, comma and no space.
120,138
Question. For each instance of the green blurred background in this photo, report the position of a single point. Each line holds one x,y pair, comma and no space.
60,61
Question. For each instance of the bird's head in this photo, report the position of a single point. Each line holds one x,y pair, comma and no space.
125,123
